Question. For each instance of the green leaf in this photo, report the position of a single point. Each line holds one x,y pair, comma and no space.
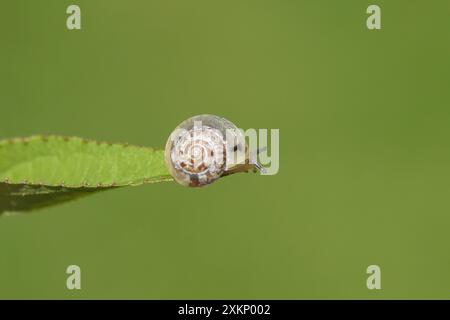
45,170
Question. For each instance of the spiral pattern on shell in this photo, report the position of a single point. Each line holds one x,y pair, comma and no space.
199,154
196,151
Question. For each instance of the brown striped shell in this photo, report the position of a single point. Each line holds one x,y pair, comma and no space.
196,151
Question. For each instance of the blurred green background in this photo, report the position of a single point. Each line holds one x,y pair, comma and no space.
364,147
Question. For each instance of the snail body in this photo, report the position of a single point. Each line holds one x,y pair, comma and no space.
198,151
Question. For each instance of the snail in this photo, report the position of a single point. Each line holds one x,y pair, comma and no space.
206,147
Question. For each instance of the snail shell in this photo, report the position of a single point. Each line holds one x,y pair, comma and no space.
196,151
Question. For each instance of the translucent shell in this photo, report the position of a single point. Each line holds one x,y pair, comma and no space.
196,151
